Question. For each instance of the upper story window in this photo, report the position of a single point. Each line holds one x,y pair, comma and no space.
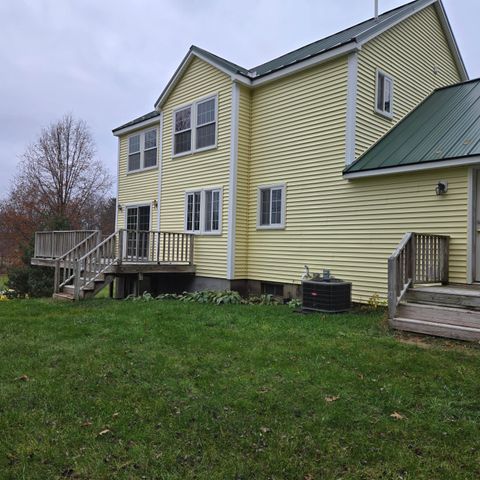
195,126
203,211
271,207
384,94
142,150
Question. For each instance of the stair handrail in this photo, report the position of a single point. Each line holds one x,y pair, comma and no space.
94,263
420,258
68,259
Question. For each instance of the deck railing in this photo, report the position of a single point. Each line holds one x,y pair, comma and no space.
157,247
57,243
420,258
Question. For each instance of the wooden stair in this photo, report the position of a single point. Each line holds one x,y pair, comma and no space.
443,311
67,292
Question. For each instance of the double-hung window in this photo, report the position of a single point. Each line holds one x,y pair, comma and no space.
384,94
203,211
271,207
195,126
142,150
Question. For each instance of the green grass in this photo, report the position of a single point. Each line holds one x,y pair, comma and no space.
3,281
184,391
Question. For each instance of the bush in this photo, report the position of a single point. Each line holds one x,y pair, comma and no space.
31,281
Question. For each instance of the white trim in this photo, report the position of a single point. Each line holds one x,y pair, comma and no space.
277,186
160,170
233,76
118,185
452,42
401,16
202,192
136,126
471,224
460,162
193,125
311,62
232,185
352,89
386,76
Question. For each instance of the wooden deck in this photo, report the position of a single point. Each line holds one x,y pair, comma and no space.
451,311
85,260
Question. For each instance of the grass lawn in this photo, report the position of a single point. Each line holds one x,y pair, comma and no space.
3,281
166,390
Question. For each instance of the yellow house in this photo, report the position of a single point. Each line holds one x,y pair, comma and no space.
250,160
239,178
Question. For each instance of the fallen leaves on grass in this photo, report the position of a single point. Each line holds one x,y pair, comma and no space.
104,432
398,416
332,398
86,423
23,378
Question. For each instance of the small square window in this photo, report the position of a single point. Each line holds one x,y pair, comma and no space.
142,150
384,94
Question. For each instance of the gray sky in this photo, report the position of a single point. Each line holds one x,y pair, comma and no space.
106,61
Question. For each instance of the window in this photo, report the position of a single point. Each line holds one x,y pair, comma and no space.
195,126
384,100
271,208
202,211
142,150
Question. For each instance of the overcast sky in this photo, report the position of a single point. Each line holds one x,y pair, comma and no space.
106,61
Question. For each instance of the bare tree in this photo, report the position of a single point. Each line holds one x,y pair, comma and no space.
59,183
62,167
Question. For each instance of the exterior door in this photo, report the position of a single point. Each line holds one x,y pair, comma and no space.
476,227
138,226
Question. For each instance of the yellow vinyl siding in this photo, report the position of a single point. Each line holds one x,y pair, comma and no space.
205,169
244,132
351,227
137,187
409,52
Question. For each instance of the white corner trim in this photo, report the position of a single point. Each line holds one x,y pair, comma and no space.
434,165
352,88
160,170
118,185
232,185
471,224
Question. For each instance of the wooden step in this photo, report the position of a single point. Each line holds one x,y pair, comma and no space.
448,296
440,314
436,329
64,297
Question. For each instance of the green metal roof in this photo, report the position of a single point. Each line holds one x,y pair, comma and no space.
357,33
445,126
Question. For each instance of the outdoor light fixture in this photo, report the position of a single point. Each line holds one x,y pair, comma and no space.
155,204
442,187
120,208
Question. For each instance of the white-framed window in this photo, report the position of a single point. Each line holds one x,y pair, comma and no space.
271,206
203,211
142,150
384,94
195,126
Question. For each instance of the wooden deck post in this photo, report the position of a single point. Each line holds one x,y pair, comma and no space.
445,260
392,288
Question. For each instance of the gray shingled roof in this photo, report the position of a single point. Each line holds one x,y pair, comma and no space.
445,126
141,119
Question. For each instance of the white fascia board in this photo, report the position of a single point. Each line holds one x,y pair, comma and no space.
351,121
452,42
232,186
365,37
311,62
181,69
419,167
137,126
